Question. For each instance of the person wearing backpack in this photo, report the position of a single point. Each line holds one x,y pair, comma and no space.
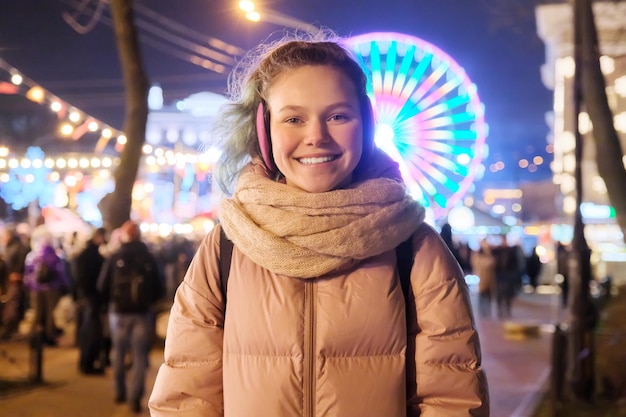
129,285
46,279
314,320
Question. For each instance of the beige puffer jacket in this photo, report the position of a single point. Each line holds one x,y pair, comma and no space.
333,346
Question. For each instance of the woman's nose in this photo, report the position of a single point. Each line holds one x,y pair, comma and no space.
316,133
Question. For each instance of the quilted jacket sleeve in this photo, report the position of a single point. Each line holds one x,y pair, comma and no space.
189,382
444,374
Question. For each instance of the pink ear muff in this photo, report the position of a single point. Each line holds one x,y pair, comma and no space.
264,141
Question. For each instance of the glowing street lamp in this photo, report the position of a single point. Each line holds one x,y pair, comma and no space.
276,18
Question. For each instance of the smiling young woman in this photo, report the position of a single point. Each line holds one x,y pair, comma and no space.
317,322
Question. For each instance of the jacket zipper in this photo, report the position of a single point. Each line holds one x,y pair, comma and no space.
309,348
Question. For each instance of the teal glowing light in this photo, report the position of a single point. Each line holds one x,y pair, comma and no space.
428,115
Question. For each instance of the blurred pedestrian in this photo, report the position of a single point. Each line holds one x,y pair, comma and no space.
507,277
484,266
46,280
88,263
13,298
533,268
562,269
130,285
315,319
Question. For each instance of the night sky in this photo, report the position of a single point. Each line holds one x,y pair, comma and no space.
495,41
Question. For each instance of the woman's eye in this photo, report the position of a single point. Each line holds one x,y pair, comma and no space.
292,120
338,117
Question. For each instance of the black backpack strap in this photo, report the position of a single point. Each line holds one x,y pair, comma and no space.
404,255
226,253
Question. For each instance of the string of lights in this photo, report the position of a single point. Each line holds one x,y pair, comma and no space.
212,54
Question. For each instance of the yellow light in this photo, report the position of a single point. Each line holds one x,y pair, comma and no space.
107,133
56,106
66,129
54,176
95,162
253,16
246,5
92,126
147,149
106,162
37,163
538,160
74,116
49,163
3,163
36,94
29,178
532,230
493,193
61,163
83,163
13,163
121,139
104,174
72,163
4,177
70,181
4,151
25,163
17,79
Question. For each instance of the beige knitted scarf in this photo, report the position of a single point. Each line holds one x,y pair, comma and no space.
306,235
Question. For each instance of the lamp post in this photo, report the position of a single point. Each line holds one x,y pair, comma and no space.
276,18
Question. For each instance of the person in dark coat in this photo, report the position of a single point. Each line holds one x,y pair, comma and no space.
13,296
507,277
91,342
562,260
130,284
533,268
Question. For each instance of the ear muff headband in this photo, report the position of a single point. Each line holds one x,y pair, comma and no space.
264,141
367,115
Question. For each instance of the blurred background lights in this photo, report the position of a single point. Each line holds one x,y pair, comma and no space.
461,218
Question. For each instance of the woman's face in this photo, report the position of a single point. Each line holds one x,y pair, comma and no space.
316,128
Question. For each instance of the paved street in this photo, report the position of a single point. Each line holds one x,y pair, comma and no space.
516,369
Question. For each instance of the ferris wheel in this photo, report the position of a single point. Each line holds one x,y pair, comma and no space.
428,116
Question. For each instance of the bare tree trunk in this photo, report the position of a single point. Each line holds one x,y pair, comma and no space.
608,148
580,372
116,206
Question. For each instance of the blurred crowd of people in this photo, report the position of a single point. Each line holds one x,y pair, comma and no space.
113,281
503,271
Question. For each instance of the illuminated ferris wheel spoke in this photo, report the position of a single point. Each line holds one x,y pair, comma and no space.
437,176
427,113
407,60
448,105
427,84
389,69
448,135
415,77
438,94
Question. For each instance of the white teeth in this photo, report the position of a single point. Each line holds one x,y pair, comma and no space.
320,160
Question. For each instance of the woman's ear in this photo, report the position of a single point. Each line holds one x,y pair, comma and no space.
262,132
